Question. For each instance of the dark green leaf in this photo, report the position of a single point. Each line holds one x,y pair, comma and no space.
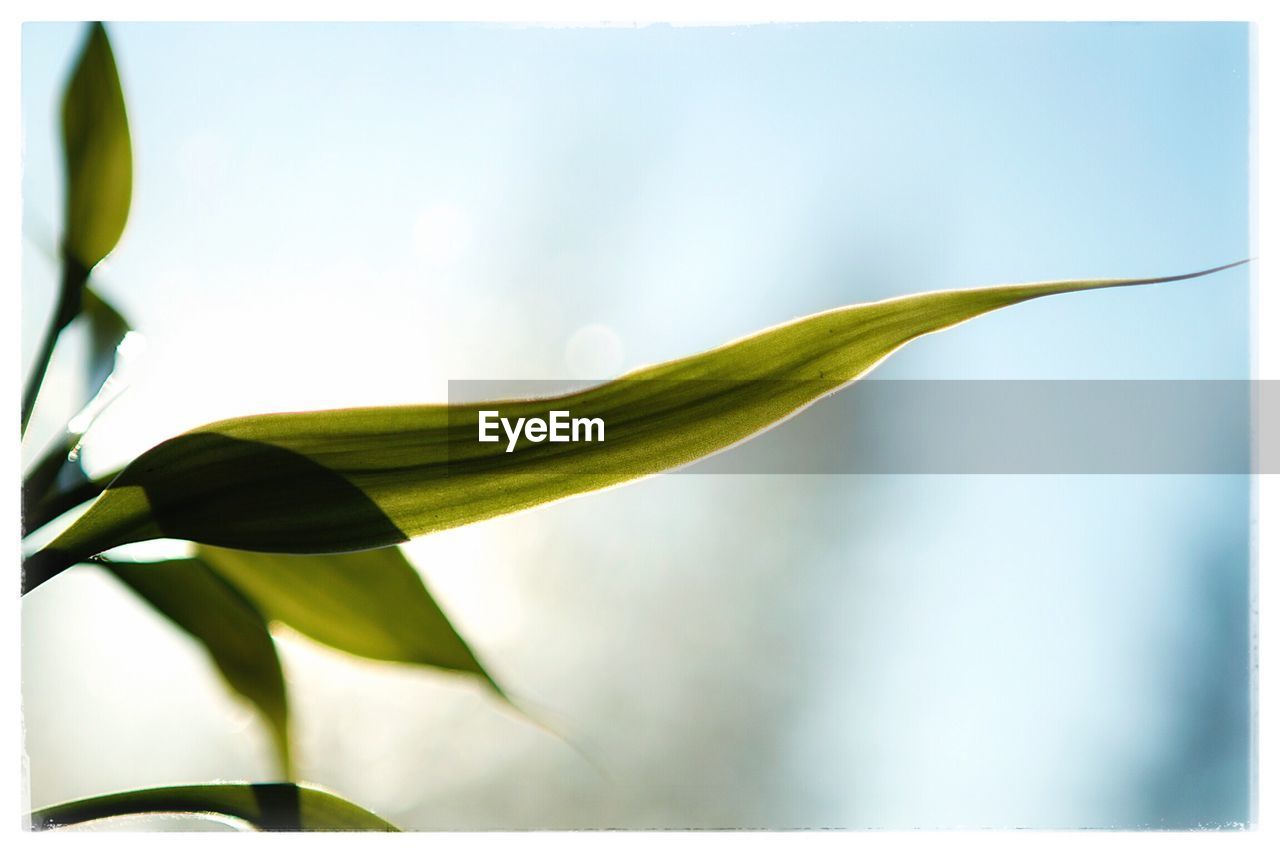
278,807
55,472
234,633
351,479
97,152
370,603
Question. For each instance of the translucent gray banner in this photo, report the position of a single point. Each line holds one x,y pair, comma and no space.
952,427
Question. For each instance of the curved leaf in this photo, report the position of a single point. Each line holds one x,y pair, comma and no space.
352,479
369,603
197,600
97,152
276,807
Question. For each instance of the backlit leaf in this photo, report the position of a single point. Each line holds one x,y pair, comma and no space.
351,479
369,603
98,154
277,807
197,600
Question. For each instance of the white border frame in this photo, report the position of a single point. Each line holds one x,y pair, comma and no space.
581,13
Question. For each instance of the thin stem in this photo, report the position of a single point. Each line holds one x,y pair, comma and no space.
74,276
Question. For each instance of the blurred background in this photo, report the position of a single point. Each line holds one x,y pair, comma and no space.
356,214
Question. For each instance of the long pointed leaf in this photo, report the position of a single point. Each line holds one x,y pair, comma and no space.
197,600
370,603
278,807
352,479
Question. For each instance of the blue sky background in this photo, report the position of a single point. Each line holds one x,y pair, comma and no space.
333,215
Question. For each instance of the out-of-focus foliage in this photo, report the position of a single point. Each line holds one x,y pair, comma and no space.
98,152
369,603
373,605
98,159
231,629
279,807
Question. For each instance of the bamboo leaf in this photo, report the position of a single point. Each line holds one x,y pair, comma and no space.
98,157
370,603
353,479
97,152
200,602
273,807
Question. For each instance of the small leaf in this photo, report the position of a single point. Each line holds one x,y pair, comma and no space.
370,603
275,807
353,479
233,632
97,153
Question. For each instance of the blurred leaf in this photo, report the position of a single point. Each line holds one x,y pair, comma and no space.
369,603
233,632
98,158
351,479
276,807
97,152
107,329
55,468
60,468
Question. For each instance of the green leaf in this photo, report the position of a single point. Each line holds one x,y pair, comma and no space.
277,807
97,153
231,629
98,157
352,479
370,603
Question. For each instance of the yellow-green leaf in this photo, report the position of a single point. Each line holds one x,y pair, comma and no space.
97,152
276,807
352,479
200,602
369,603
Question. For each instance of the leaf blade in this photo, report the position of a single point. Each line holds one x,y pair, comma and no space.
372,604
352,479
97,153
273,807
196,599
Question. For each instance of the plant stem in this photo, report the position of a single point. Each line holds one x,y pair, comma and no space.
74,276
